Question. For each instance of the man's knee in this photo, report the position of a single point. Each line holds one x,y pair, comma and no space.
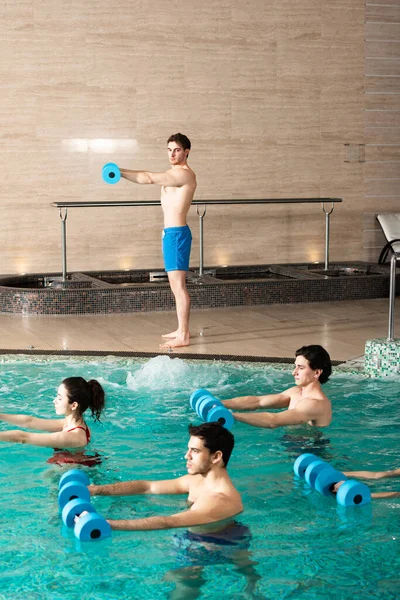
177,280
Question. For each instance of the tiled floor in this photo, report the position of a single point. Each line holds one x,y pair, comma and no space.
278,330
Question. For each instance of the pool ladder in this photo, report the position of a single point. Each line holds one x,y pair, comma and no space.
392,294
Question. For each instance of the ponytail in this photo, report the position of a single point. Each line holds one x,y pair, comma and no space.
97,399
87,394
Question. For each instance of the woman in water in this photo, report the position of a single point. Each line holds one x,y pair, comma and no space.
74,396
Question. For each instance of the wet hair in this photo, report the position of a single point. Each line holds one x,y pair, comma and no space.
318,358
215,437
181,139
87,394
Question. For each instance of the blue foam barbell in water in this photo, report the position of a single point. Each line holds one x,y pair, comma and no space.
91,527
209,408
195,396
204,406
326,480
72,490
313,469
222,415
74,508
111,173
203,400
301,463
353,493
73,475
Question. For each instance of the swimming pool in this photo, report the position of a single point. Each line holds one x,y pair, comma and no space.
303,545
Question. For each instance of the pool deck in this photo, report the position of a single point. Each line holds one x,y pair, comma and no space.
263,331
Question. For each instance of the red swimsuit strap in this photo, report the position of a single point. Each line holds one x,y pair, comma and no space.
85,429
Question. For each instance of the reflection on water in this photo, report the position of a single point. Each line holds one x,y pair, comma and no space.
314,442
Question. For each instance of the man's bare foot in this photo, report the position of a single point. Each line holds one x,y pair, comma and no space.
178,342
173,334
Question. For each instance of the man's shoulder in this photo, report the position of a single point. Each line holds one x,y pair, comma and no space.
190,173
315,403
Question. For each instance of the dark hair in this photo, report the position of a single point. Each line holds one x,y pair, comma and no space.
87,394
216,437
180,139
318,358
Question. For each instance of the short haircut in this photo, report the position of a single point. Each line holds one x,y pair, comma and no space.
181,139
318,358
215,437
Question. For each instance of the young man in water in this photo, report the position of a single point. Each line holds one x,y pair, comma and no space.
212,498
305,402
213,536
178,185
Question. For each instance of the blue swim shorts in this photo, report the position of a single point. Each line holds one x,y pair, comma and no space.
176,244
195,549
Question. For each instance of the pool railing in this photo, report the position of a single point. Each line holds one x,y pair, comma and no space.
64,206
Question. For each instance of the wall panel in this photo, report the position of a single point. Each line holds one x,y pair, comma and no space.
268,91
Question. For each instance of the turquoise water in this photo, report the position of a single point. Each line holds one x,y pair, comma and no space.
303,545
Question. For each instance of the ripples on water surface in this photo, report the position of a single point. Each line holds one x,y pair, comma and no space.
303,545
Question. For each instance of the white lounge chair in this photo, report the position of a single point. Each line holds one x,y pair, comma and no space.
390,223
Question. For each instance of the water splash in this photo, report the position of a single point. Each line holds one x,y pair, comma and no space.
159,373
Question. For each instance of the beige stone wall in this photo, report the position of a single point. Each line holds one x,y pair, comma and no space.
382,119
269,91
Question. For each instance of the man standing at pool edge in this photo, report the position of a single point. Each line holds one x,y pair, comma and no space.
178,185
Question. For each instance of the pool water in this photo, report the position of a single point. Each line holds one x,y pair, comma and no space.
303,545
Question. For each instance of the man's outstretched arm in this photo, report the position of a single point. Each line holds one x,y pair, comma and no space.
131,488
385,495
254,402
294,416
172,177
207,510
373,474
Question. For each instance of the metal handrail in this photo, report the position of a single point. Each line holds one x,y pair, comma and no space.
64,206
392,294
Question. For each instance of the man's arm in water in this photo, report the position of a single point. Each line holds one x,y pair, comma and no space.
138,486
305,411
385,495
372,474
376,495
207,509
254,402
171,177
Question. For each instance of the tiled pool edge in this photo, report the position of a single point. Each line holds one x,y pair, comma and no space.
285,362
382,357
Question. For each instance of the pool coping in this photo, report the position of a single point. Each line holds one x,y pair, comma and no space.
132,354
350,366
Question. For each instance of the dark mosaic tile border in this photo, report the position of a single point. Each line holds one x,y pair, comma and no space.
94,292
185,356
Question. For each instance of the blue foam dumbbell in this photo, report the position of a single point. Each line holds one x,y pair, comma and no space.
353,493
74,499
111,173
71,490
313,469
92,527
222,415
73,509
209,408
326,480
195,396
73,475
205,404
301,463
